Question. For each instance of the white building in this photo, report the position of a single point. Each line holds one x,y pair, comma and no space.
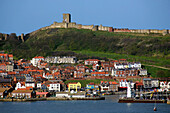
164,85
67,59
137,65
19,86
39,85
29,84
155,83
123,83
54,86
35,60
51,59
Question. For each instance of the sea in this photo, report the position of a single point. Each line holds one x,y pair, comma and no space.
109,105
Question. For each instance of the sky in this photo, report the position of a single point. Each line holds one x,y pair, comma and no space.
25,16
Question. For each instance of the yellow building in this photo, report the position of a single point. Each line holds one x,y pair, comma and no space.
74,86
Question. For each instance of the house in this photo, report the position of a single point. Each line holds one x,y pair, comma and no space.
35,60
38,85
6,57
9,67
143,72
138,85
147,83
155,83
95,66
99,73
5,83
23,94
164,85
42,94
76,86
3,92
48,75
67,59
108,86
108,67
123,84
137,65
29,84
20,85
104,86
113,86
2,66
51,59
78,74
92,89
91,61
54,86
57,75
124,72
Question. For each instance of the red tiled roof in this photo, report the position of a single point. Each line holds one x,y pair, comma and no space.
10,55
11,73
38,57
41,93
2,64
92,60
113,82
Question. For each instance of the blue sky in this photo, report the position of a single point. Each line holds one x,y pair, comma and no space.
24,16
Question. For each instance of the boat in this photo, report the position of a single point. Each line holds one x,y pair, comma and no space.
168,100
132,100
155,109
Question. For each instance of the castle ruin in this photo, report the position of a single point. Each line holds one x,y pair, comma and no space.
68,24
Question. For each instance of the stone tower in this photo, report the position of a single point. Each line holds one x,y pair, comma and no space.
22,37
66,18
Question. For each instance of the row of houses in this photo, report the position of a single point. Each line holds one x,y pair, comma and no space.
56,59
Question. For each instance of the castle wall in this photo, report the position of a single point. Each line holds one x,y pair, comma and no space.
78,26
87,27
122,30
72,25
60,25
95,28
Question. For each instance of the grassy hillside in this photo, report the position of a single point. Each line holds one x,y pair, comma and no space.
153,49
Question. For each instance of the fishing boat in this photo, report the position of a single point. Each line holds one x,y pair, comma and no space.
155,109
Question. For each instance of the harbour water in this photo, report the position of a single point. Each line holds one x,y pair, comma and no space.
110,105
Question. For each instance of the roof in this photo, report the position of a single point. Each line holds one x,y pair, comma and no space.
38,57
113,82
3,89
92,60
22,91
41,93
10,55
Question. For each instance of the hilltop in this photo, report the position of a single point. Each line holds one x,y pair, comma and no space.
152,49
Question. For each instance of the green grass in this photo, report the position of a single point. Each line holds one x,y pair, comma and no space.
154,71
143,59
84,82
